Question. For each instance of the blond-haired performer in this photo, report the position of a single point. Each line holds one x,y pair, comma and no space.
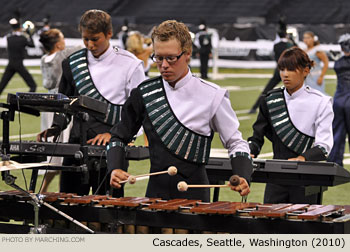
179,113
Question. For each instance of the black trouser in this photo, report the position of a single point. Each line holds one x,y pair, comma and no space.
276,78
17,67
341,126
275,194
204,58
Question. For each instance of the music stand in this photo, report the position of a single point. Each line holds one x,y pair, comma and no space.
37,200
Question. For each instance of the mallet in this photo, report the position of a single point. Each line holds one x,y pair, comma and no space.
172,170
182,186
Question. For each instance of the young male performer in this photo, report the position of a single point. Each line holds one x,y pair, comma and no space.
104,73
297,120
179,113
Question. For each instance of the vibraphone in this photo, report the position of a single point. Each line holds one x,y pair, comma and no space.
151,215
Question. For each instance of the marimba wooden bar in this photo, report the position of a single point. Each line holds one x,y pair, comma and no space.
154,215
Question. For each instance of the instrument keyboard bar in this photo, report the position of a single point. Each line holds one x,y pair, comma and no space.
196,216
128,201
173,205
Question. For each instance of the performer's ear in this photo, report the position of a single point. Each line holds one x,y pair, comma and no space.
188,56
306,71
109,35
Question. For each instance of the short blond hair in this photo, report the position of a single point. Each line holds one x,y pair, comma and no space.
134,43
172,29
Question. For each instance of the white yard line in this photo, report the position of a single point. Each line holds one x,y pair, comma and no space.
16,137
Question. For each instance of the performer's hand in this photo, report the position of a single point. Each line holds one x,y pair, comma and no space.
298,158
252,155
243,187
100,139
118,175
320,80
53,131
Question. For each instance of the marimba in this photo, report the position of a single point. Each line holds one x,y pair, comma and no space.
152,215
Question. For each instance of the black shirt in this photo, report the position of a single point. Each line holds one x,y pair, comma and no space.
16,44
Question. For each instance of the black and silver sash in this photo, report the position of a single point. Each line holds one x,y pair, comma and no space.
290,136
85,85
177,138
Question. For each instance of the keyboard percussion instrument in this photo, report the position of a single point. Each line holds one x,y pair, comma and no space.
104,214
34,103
314,176
35,149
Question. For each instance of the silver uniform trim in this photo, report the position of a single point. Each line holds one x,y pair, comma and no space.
283,128
165,123
114,115
158,109
182,142
169,131
155,101
79,66
160,117
205,149
90,84
307,143
80,52
152,92
82,72
278,116
91,91
293,139
281,122
288,134
120,112
76,60
275,100
96,95
149,85
175,137
189,146
197,149
301,140
82,80
108,111
275,109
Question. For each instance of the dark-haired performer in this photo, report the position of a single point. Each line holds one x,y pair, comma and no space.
104,73
179,113
341,104
297,120
17,41
283,44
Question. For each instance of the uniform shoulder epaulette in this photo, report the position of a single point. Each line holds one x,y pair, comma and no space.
208,83
123,52
116,49
313,91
